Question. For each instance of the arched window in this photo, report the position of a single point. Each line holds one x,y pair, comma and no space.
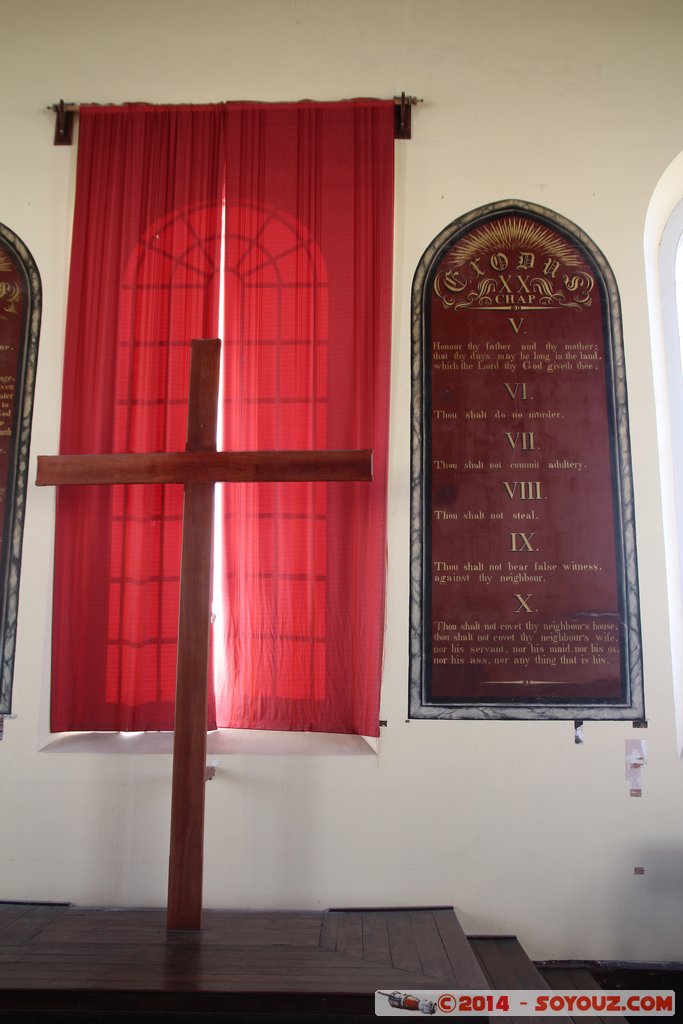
664,266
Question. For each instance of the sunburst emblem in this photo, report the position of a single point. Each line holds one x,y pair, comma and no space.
513,233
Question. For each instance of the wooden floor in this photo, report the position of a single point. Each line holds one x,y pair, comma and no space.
63,958
507,966
60,957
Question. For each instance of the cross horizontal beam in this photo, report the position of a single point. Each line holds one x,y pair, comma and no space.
204,467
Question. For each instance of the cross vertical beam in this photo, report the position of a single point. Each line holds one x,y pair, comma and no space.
185,869
199,467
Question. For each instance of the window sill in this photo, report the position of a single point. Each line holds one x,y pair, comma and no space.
219,741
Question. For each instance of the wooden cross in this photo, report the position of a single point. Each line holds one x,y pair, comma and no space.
199,467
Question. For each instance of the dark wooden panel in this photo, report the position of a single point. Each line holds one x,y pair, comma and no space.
254,927
376,938
149,926
31,923
329,930
350,934
104,926
20,923
337,955
431,949
251,969
577,979
404,951
507,966
463,962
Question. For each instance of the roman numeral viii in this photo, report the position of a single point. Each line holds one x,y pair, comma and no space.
525,490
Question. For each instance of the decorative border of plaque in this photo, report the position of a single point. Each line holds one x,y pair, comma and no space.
20,313
524,582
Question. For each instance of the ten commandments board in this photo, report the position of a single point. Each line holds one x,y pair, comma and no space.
20,308
524,598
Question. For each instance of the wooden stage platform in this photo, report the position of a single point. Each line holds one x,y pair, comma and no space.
65,960
332,962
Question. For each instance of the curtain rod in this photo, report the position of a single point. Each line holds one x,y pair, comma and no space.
65,113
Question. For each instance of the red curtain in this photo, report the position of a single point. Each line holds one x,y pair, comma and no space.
290,207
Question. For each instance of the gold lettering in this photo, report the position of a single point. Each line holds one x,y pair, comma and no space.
453,282
514,389
525,490
525,542
527,439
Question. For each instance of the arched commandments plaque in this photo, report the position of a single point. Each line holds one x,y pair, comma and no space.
524,598
20,308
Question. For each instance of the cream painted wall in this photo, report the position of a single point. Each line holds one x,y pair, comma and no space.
575,106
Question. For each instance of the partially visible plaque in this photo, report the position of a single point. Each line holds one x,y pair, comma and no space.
20,308
524,596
